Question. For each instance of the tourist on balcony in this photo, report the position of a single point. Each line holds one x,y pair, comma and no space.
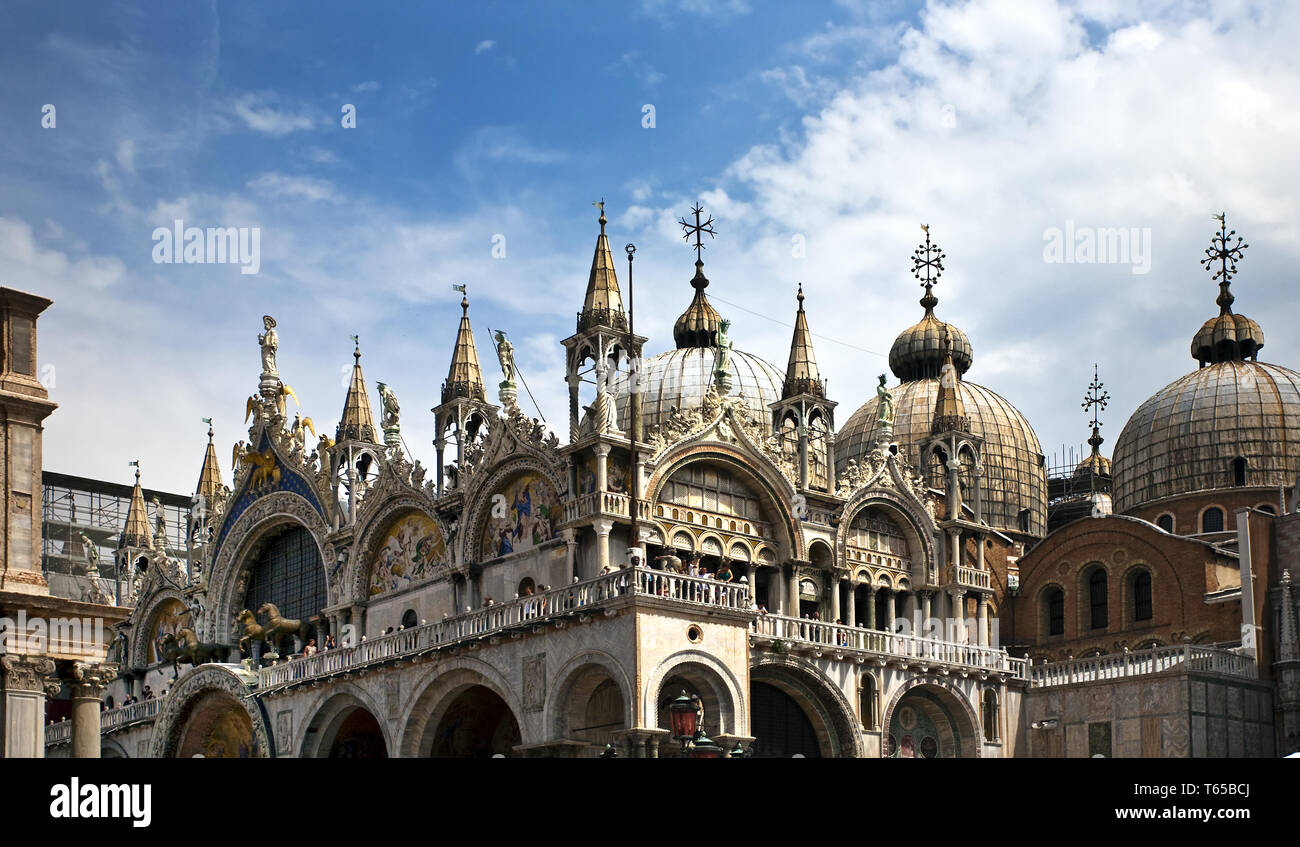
724,573
148,693
310,649
329,642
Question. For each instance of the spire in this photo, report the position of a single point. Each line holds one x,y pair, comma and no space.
464,377
801,372
917,352
1228,337
603,305
698,325
1095,401
209,486
357,423
949,411
136,532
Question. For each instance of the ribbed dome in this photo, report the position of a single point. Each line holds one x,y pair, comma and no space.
681,378
1098,465
1226,338
1187,435
918,351
1014,477
698,325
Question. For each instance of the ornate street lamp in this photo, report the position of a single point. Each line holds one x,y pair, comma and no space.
704,748
611,752
684,714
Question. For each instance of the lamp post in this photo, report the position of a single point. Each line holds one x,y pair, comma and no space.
686,716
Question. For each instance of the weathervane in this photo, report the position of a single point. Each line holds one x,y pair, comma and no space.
928,259
697,229
1095,399
1227,255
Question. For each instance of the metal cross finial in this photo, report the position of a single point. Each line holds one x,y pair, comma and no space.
1095,399
927,258
599,204
1223,252
697,229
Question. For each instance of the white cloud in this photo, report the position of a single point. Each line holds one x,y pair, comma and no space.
260,116
274,184
484,46
126,155
363,87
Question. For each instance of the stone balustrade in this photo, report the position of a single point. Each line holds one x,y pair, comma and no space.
973,578
855,642
1185,657
109,720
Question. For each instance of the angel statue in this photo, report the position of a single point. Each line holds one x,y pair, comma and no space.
299,430
506,355
92,556
886,405
391,409
270,343
160,524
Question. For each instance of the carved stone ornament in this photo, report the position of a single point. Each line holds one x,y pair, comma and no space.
29,673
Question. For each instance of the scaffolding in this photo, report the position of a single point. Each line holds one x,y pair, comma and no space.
74,505
1070,493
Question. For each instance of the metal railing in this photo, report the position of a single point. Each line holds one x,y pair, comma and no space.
1190,657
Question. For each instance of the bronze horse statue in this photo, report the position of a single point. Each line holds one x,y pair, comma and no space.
185,646
280,627
252,630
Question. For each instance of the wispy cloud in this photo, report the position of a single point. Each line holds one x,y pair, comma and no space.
259,115
273,184
484,46
363,87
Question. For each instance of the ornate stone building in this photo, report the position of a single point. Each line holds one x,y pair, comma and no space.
702,528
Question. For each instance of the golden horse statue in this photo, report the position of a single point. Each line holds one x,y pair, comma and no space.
265,469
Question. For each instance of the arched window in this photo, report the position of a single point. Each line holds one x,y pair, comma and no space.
990,715
409,619
289,574
1239,471
1212,520
868,702
1166,522
1024,520
1097,598
1056,612
1142,596
1268,508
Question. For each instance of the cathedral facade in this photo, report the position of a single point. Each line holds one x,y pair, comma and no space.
704,534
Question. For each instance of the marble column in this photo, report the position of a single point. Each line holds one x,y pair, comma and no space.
602,467
891,612
571,552
835,597
871,607
27,681
926,611
87,682
358,621
958,627
793,598
851,618
983,620
602,528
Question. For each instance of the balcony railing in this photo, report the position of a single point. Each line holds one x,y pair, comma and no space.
888,646
1188,657
973,577
500,618
109,720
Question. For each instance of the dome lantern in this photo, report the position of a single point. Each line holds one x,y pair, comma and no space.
918,351
1227,337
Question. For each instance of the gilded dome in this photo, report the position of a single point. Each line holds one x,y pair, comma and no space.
1186,437
681,378
1014,477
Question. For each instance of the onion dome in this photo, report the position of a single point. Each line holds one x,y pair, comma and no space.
680,379
698,325
1232,423
1014,487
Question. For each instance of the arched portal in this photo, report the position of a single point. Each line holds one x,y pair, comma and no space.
475,724
930,722
797,710
218,728
344,727
782,724
590,706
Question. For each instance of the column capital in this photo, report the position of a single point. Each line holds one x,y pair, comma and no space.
601,450
602,527
30,673
89,679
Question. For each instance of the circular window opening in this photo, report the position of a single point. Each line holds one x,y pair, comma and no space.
694,634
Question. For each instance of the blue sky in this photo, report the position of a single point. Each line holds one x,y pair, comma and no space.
845,124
